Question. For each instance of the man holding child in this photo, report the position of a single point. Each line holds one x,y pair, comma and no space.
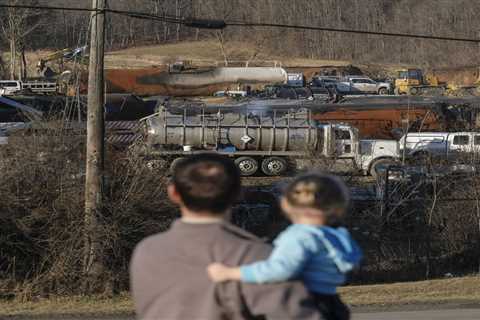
245,279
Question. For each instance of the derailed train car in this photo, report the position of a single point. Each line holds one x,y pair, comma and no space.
391,121
190,82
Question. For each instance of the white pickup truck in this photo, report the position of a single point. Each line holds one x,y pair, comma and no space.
11,87
361,84
439,143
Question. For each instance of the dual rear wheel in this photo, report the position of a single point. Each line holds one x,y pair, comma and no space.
272,166
248,166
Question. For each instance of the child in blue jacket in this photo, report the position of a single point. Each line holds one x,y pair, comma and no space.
312,249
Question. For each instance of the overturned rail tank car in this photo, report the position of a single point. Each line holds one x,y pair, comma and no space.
192,82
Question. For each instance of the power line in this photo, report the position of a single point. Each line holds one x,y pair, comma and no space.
352,31
189,22
220,24
134,14
38,7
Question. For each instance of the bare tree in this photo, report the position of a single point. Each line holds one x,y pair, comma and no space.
16,25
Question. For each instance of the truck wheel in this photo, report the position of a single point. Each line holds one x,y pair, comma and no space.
274,166
378,165
382,91
248,166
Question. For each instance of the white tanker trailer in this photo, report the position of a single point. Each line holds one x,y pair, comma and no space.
268,140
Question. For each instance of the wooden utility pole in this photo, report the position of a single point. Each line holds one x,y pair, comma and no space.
93,264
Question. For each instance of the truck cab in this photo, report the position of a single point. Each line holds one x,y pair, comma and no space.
351,152
9,87
464,142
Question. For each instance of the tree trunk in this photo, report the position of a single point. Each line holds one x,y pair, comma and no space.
24,66
13,58
177,14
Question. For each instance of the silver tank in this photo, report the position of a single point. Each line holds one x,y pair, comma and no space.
243,130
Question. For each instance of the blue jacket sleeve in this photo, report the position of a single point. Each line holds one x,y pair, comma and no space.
288,258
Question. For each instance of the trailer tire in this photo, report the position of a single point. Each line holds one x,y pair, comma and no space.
274,166
247,166
377,164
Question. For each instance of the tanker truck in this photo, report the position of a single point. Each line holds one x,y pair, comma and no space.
268,141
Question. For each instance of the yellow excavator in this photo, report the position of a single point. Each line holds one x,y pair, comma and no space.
64,55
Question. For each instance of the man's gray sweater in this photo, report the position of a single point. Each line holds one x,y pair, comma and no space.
169,278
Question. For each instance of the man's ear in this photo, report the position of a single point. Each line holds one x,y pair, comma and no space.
173,195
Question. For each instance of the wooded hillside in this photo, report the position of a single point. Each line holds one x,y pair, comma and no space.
459,18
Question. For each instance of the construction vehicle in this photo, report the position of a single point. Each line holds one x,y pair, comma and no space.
460,81
414,82
270,141
64,55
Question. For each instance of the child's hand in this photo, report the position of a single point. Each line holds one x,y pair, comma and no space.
219,272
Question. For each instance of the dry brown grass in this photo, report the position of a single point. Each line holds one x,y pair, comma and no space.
455,290
205,50
462,290
85,306
147,56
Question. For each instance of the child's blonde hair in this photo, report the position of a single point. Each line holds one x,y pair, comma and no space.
314,190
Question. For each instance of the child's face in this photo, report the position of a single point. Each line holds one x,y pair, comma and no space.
302,215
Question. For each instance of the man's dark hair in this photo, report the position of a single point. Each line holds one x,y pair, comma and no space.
207,182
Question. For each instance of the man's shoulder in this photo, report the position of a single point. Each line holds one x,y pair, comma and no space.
242,244
224,232
150,244
238,233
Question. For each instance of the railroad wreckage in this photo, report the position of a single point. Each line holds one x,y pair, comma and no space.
390,118
189,82
374,117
